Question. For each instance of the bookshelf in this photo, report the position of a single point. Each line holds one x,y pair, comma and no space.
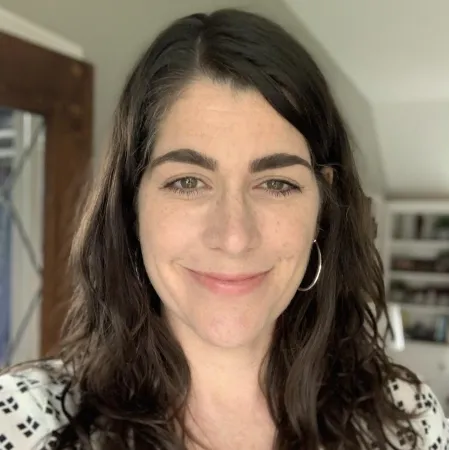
415,252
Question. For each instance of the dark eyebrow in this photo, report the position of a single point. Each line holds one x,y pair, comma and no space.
269,162
277,161
187,156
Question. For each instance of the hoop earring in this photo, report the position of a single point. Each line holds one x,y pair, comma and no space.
317,275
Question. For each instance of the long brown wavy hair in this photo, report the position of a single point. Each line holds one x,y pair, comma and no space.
326,371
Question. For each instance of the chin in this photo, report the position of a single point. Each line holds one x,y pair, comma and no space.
233,335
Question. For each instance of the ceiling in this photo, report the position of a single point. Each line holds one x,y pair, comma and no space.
395,54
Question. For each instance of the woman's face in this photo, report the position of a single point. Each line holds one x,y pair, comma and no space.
227,215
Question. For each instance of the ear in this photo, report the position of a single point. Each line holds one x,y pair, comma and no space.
328,174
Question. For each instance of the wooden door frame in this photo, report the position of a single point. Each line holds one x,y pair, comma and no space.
58,87
22,28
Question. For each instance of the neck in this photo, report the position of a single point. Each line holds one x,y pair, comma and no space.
225,377
227,380
225,397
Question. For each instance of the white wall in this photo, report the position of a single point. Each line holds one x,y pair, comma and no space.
415,139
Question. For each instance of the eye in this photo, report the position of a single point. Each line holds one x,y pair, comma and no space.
187,183
187,186
277,185
280,187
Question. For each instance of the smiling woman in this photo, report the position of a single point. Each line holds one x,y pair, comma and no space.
224,269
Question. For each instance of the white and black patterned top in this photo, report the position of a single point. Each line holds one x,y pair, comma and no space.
31,411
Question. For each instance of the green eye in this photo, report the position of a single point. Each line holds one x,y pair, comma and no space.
187,186
280,187
188,183
276,185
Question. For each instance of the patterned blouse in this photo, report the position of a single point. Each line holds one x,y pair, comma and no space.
31,411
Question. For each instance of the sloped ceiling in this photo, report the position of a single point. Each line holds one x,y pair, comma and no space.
395,54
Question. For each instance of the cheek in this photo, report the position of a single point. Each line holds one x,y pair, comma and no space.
291,231
165,228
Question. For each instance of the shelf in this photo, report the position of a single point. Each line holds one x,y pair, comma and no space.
419,244
418,206
7,134
424,343
427,309
7,153
423,277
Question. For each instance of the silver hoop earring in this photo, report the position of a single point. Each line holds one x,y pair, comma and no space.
317,275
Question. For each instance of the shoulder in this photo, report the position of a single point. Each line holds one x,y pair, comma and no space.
31,408
430,421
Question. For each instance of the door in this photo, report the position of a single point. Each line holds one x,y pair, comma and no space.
45,163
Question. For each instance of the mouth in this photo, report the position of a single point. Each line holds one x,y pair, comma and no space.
229,284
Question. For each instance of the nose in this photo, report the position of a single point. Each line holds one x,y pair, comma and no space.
232,225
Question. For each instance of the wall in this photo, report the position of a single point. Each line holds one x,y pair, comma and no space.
415,139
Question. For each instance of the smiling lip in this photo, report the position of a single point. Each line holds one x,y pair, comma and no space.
231,284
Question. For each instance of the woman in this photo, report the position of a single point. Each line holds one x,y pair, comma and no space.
224,270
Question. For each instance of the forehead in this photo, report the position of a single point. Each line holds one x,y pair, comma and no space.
216,118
